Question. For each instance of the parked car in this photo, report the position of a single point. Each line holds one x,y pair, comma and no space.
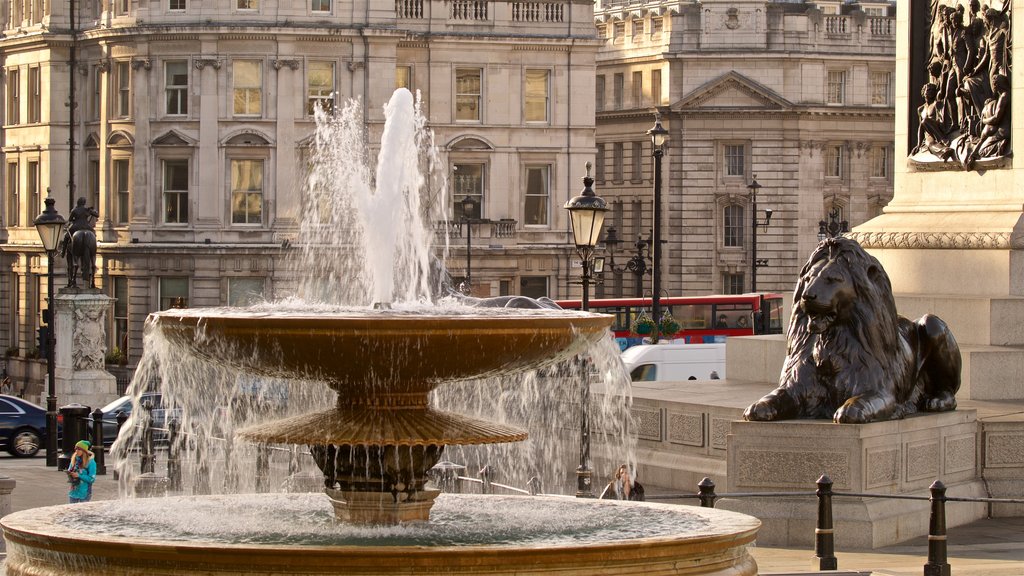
125,404
22,426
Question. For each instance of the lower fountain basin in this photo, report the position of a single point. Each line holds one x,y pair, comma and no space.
297,534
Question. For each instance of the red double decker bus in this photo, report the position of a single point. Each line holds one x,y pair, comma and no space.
702,319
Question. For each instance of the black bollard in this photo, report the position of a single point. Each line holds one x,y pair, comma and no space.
148,455
121,418
97,442
262,467
534,485
937,565
824,537
706,493
485,477
173,456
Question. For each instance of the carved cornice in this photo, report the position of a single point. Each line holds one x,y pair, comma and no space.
933,240
203,62
292,63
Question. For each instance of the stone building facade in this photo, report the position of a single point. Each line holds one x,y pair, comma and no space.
192,118
798,94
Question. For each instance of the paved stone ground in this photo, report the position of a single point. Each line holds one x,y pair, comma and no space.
992,547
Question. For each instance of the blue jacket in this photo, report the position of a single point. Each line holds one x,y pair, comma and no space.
83,489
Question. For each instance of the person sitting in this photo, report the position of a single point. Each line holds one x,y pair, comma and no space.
623,486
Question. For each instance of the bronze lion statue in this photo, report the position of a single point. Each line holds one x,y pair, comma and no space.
850,356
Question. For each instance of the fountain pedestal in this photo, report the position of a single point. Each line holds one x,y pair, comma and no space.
381,507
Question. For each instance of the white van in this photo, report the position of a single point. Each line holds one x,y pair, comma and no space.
675,362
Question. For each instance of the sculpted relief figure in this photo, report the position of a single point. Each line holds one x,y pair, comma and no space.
850,357
965,117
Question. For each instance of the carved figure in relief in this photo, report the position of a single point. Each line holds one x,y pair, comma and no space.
850,356
87,352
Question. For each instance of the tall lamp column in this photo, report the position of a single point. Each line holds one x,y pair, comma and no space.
468,210
754,262
658,136
49,224
586,213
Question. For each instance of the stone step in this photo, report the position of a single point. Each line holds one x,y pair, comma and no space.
974,320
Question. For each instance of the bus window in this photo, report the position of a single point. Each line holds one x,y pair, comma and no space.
733,316
644,373
692,316
774,316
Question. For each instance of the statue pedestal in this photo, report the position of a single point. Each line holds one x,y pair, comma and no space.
899,457
81,343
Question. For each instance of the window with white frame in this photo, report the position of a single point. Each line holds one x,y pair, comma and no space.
657,24
638,89
467,182
468,94
619,31
735,160
881,86
13,96
732,283
176,5
95,98
35,95
123,89
246,191
733,226
13,197
599,94
247,4
247,87
176,178
320,86
619,88
638,29
880,160
246,291
617,160
834,161
538,192
173,291
403,77
599,163
121,7
35,205
122,178
176,87
93,181
119,319
835,92
320,6
638,165
536,96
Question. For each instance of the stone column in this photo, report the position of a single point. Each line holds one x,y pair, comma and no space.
81,344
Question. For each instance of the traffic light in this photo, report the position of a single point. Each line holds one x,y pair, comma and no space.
43,337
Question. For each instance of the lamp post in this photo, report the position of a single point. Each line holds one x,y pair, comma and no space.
754,262
468,210
586,213
834,227
637,263
49,224
658,136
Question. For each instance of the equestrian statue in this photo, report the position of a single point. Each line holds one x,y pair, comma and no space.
79,244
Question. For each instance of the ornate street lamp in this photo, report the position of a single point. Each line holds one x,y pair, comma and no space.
658,136
586,213
834,227
755,263
49,224
636,265
469,207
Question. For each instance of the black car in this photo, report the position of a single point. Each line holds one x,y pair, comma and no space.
124,404
22,426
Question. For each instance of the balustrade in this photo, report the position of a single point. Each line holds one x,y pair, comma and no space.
467,10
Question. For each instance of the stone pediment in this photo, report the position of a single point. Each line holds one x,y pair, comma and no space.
732,91
173,138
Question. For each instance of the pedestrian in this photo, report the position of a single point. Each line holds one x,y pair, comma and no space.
81,473
5,385
624,486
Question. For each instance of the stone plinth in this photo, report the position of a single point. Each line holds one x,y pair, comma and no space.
81,345
900,457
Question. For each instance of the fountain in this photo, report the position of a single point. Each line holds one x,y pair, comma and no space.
377,442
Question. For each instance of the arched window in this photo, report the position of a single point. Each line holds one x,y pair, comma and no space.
733,226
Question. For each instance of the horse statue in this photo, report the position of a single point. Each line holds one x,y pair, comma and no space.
79,245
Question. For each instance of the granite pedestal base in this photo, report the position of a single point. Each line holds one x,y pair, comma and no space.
901,457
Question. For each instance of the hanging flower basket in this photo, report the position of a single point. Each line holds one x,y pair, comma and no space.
668,325
644,325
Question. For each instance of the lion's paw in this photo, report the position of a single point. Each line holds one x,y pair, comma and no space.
944,402
760,411
850,413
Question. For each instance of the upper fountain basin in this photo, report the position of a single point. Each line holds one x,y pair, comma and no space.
391,350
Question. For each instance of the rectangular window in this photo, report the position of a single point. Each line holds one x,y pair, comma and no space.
638,89
403,77
619,32
638,166
176,5
533,286
733,226
834,161
121,7
320,89
638,29
732,283
538,186
656,25
247,78
246,191
599,94
836,89
468,93
880,88
122,189
619,88
13,200
880,158
248,4
123,84
35,205
120,316
599,163
13,97
173,292
176,86
320,6
536,96
245,291
617,162
656,87
93,177
35,95
97,93
468,182
176,191
735,161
